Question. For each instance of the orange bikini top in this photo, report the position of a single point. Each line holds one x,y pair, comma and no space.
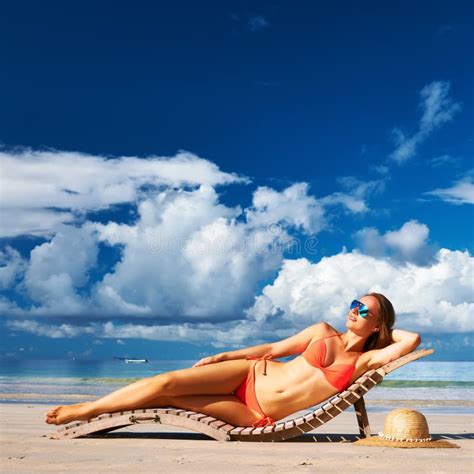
338,375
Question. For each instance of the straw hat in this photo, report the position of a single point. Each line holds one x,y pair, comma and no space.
404,428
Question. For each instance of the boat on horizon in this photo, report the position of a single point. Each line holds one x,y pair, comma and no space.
136,361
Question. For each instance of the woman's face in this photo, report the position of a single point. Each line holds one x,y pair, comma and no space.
367,325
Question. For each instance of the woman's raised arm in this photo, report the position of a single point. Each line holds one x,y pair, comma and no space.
403,343
292,345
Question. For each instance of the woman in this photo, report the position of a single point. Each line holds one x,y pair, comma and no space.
247,388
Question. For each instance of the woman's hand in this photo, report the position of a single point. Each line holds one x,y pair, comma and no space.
210,360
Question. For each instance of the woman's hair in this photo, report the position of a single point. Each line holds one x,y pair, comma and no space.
383,337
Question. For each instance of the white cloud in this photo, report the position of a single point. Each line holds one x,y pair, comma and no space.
36,182
409,243
443,160
12,266
461,192
219,335
437,109
50,330
57,269
186,258
190,257
357,192
434,299
189,265
17,221
438,298
293,205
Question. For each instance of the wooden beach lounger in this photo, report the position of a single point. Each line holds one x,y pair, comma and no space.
222,431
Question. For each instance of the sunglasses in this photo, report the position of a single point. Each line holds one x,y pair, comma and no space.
361,308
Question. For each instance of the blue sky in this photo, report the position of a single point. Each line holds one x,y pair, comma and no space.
181,178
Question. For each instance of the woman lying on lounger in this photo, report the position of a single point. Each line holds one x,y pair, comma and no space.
247,387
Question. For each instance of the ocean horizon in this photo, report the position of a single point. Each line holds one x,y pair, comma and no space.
436,385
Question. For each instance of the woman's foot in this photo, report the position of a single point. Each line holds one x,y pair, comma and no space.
66,413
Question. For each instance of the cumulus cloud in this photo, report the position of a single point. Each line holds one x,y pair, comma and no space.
409,243
12,266
437,109
461,192
189,266
41,189
293,206
187,257
437,298
59,268
434,299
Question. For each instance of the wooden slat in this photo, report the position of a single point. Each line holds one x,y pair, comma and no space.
309,416
269,428
351,397
174,411
207,420
226,428
279,427
327,407
289,424
315,423
194,425
198,416
246,431
406,359
217,424
324,417
335,410
237,430
345,403
299,421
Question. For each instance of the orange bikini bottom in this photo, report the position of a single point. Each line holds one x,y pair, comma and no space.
245,392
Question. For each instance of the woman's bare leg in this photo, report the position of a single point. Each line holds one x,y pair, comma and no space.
214,379
223,407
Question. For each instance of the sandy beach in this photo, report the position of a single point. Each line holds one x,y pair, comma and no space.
26,447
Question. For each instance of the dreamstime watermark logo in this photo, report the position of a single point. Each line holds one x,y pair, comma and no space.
273,239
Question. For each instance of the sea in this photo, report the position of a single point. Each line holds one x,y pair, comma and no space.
444,387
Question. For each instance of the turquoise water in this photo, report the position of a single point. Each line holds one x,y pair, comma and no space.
433,384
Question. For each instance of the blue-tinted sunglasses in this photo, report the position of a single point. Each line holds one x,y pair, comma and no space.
361,308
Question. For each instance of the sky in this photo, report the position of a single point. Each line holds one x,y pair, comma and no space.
182,178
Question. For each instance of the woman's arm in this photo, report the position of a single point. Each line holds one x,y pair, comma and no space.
292,345
403,343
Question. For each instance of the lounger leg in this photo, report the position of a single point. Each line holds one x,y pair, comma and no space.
362,418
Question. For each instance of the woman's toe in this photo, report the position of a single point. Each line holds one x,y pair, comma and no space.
51,415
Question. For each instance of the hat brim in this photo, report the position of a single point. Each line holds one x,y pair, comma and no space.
385,443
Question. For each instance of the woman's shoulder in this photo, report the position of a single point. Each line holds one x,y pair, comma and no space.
321,330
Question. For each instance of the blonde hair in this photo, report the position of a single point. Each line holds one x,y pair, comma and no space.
386,319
